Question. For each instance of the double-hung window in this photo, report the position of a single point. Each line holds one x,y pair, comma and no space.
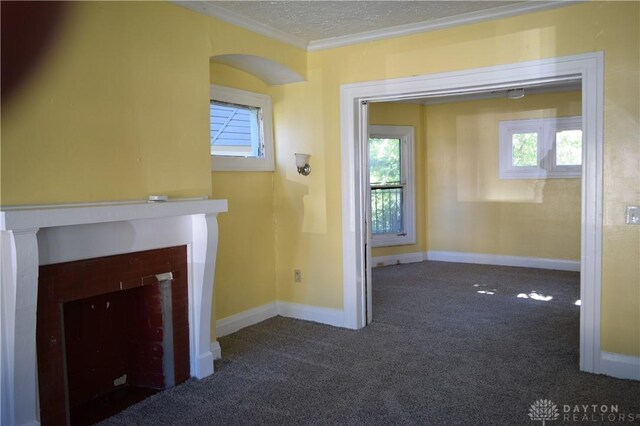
541,148
241,130
391,178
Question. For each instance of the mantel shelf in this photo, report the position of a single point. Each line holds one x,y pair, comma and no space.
47,216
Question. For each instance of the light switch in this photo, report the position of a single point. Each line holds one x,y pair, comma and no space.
633,215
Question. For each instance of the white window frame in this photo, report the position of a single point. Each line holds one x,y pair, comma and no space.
257,100
546,129
406,134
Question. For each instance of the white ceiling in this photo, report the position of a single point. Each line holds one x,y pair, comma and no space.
315,25
319,20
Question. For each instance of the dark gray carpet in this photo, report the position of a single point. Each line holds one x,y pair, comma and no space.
438,352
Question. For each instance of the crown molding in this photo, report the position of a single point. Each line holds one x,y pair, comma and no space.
210,9
530,6
439,24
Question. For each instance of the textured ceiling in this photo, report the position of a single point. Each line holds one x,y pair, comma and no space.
317,20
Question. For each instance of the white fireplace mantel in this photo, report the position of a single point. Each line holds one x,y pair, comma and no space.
39,235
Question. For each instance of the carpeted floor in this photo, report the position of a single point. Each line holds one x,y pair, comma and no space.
451,344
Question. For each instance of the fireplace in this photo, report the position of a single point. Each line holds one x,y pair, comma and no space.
170,250
110,332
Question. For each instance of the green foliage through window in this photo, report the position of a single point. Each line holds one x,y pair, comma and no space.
569,148
384,161
385,175
525,149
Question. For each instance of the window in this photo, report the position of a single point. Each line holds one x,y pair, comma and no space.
391,178
541,148
241,130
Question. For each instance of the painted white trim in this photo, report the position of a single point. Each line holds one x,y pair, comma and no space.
546,167
257,100
271,72
54,215
236,322
395,259
233,323
353,235
406,135
621,366
591,210
216,350
210,9
588,67
478,258
503,260
329,316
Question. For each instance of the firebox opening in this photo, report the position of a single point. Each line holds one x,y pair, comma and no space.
111,331
114,351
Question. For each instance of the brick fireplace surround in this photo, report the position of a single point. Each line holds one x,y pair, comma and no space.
35,236
110,333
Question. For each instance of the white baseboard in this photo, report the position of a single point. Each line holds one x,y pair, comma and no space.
233,323
327,316
620,366
395,259
496,259
216,350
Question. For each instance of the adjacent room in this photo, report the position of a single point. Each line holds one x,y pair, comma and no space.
490,178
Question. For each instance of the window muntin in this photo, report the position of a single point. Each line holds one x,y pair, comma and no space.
541,148
391,176
241,130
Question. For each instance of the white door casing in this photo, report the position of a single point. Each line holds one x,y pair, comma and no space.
587,67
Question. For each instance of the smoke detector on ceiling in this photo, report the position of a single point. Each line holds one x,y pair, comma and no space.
515,93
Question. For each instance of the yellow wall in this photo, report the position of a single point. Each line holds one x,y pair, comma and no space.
245,266
401,114
307,208
118,108
471,209
308,211
114,112
245,270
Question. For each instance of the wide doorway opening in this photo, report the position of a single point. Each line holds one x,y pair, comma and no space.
583,71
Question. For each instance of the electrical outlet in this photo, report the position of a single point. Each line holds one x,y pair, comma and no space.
297,275
633,215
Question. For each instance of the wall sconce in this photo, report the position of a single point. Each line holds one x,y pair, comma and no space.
302,163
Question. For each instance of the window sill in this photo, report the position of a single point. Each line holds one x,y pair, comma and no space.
239,164
389,240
